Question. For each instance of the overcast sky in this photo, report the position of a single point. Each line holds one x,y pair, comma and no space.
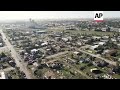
20,15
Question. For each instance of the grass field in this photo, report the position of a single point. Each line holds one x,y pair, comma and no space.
84,32
116,76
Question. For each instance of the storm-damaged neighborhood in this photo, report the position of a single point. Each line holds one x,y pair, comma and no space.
60,49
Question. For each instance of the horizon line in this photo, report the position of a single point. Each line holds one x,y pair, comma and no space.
56,19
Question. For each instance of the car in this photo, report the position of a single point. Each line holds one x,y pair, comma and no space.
11,63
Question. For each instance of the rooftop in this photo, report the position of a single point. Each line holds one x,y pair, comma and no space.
2,75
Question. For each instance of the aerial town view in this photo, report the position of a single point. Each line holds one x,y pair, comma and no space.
59,48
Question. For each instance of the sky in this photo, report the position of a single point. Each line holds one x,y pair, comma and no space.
25,15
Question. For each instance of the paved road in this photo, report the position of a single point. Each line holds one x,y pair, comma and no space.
16,56
108,61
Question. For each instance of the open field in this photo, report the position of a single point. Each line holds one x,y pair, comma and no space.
84,32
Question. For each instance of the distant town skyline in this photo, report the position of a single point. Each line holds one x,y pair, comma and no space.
25,15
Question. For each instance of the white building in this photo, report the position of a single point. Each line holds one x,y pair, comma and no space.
105,37
35,64
118,37
70,38
103,29
65,39
93,47
101,43
2,75
79,43
115,29
1,44
44,44
41,32
105,51
114,40
34,50
96,37
76,52
118,44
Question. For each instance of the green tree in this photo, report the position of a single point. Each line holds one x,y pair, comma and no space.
39,60
3,54
72,56
38,73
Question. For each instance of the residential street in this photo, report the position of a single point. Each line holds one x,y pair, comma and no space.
16,57
108,61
